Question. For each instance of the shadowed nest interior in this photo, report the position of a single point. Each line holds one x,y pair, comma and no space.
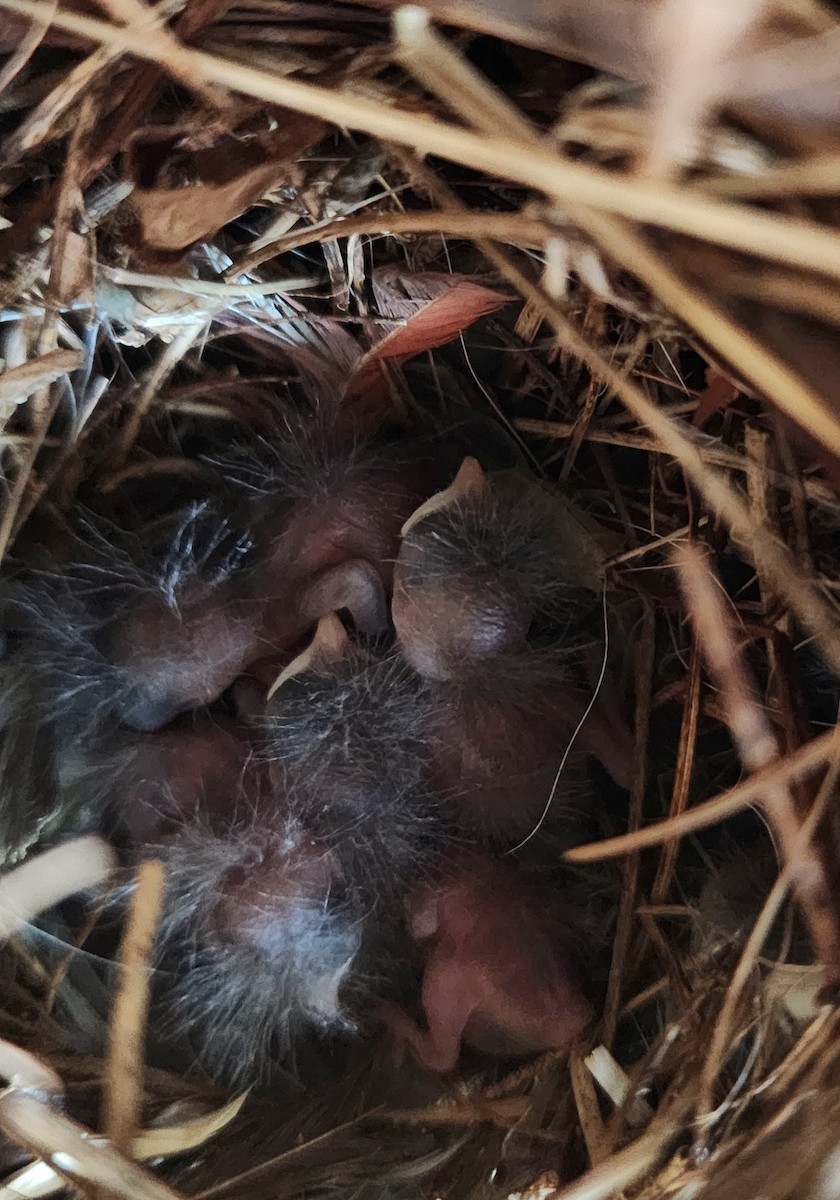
594,243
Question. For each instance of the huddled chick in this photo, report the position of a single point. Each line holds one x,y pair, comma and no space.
332,697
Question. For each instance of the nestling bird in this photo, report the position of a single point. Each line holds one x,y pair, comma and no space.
495,975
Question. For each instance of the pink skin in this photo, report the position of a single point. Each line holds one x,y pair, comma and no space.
180,659
170,778
440,633
362,521
324,554
443,637
184,659
498,760
451,629
254,893
320,557
604,734
493,978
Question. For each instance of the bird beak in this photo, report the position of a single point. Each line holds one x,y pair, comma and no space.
470,481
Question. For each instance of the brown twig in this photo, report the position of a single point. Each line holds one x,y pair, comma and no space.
756,363
630,881
123,1082
147,391
757,747
803,598
515,228
27,46
21,1069
776,238
799,765
723,1026
686,748
68,1147
715,454
143,22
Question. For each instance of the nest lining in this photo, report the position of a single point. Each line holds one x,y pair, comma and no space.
616,235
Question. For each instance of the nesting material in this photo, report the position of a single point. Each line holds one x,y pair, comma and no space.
419,525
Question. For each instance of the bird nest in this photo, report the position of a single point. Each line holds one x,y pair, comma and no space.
603,236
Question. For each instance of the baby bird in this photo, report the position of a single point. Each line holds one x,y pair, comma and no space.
255,937
319,501
286,868
131,627
495,975
493,592
480,563
255,941
345,738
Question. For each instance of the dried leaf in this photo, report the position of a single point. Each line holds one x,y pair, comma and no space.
718,394
17,383
221,179
797,987
433,309
427,310
72,277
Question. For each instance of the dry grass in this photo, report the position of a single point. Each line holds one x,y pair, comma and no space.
198,203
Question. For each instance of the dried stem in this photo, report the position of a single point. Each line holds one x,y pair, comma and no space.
682,775
756,363
796,766
123,1087
757,747
779,566
67,1146
515,228
46,879
723,1026
775,238
630,881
